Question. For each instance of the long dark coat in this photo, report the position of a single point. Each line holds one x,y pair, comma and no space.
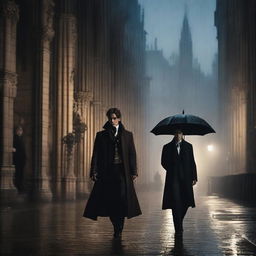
102,162
19,156
182,165
19,160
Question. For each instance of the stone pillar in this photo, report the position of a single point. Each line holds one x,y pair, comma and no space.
42,181
88,140
9,15
97,116
69,178
243,136
66,46
83,152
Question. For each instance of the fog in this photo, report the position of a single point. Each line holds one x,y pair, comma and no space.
163,20
182,78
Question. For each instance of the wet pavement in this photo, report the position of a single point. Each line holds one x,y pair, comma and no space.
216,226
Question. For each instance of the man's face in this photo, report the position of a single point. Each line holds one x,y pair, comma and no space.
19,131
114,120
178,135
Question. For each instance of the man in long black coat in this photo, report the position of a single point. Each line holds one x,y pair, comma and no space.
181,175
113,168
19,158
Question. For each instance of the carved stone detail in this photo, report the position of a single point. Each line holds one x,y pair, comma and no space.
47,20
79,127
81,100
10,10
69,141
96,102
83,97
73,28
8,82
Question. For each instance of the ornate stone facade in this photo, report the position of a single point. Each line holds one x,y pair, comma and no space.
9,15
235,22
75,59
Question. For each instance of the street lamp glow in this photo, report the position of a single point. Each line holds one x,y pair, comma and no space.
210,148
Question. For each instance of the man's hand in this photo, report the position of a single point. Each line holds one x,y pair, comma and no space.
194,182
134,177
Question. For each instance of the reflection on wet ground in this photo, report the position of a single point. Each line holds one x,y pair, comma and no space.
215,227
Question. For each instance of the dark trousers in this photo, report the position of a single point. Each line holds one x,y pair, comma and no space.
18,178
117,200
180,207
118,223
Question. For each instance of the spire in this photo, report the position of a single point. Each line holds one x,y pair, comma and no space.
186,54
185,32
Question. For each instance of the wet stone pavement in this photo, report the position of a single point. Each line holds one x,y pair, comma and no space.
216,226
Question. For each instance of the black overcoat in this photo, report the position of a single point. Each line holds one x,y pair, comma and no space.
102,162
19,156
182,165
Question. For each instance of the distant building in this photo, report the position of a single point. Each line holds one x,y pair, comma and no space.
179,84
181,78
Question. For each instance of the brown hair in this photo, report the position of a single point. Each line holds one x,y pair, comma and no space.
112,111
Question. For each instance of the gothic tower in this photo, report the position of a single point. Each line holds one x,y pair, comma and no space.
185,50
186,87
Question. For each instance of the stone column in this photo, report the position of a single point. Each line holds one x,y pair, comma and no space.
244,127
83,100
88,136
42,181
97,116
66,46
9,15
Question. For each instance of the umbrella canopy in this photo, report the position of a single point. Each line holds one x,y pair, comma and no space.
188,124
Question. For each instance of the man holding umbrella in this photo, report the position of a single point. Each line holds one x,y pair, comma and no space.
181,176
178,161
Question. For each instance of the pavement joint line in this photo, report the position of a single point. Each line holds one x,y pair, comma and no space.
249,240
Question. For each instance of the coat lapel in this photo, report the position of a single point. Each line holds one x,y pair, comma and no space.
173,149
182,148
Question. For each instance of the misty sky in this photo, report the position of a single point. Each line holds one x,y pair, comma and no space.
163,19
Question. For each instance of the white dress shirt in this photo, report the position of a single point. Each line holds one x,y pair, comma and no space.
116,130
178,146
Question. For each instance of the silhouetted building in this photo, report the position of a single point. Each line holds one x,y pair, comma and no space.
72,61
235,22
236,40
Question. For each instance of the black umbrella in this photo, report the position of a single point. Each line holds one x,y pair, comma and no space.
188,124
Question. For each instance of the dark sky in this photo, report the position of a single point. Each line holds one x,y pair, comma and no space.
163,19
